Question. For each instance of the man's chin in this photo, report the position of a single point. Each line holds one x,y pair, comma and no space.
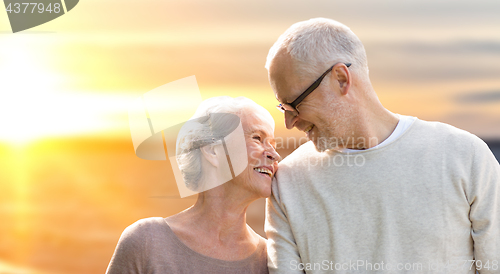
323,144
320,145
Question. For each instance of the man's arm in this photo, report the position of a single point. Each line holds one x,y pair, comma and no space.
485,209
282,252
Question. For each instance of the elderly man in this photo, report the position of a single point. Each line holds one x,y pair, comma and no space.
372,191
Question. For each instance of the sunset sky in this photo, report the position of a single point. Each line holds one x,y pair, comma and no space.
437,60
73,78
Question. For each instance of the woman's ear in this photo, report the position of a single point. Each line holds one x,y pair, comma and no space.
209,153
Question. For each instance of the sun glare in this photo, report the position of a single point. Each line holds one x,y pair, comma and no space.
27,89
35,104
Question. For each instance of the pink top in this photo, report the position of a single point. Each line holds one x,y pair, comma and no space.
150,246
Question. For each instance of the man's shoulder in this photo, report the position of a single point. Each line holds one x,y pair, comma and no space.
438,127
444,133
304,151
440,137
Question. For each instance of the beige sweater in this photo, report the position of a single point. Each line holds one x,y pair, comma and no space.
150,246
426,203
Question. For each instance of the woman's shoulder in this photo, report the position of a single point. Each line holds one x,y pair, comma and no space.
144,230
147,224
140,246
141,235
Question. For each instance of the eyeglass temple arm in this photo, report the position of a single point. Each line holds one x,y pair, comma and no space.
310,89
313,86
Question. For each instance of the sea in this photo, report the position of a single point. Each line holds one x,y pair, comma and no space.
495,147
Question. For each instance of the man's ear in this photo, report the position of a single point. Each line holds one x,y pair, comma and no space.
209,153
343,76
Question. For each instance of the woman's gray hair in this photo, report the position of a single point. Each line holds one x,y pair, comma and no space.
206,128
317,44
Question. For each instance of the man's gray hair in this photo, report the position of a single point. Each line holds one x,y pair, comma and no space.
317,44
203,126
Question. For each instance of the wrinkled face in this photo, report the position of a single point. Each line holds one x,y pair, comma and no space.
323,115
262,155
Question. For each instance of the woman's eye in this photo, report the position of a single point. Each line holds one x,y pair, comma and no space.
256,137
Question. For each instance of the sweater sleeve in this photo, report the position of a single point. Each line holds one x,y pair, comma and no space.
283,255
129,252
484,214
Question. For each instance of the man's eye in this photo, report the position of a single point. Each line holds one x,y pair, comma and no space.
257,137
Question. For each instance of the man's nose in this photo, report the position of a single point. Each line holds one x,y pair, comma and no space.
290,119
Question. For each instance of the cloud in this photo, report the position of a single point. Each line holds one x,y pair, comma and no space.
484,125
482,97
470,59
450,48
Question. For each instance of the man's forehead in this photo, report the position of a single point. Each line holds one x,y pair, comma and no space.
286,94
283,77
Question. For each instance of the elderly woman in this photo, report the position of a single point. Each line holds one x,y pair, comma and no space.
211,236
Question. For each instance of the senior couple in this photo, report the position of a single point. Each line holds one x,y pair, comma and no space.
424,199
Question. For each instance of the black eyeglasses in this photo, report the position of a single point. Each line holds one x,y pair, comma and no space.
292,107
